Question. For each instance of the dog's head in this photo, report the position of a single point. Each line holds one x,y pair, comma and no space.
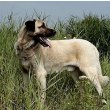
40,32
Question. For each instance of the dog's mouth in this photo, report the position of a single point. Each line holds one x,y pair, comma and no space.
44,42
43,39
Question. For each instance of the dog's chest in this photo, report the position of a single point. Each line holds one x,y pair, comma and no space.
26,59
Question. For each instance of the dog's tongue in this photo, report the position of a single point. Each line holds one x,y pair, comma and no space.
48,42
45,42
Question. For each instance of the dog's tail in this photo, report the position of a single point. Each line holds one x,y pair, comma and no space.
104,80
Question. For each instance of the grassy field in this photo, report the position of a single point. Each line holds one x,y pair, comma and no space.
62,93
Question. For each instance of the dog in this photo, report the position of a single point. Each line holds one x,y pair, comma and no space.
45,56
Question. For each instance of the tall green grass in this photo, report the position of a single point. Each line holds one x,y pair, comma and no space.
92,28
62,93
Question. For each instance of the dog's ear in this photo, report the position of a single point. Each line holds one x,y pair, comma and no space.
30,25
34,20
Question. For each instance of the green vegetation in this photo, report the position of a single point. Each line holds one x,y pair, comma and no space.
62,94
93,29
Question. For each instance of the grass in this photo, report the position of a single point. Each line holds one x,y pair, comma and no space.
62,93
92,28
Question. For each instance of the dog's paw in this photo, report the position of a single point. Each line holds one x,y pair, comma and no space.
82,77
104,102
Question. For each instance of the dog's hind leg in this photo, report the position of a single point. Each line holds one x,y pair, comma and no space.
91,73
75,75
78,75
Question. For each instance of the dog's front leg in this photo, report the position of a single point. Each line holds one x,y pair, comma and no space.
41,77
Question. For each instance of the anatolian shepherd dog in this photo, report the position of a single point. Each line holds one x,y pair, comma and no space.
44,56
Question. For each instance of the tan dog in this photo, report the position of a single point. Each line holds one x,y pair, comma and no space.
45,56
